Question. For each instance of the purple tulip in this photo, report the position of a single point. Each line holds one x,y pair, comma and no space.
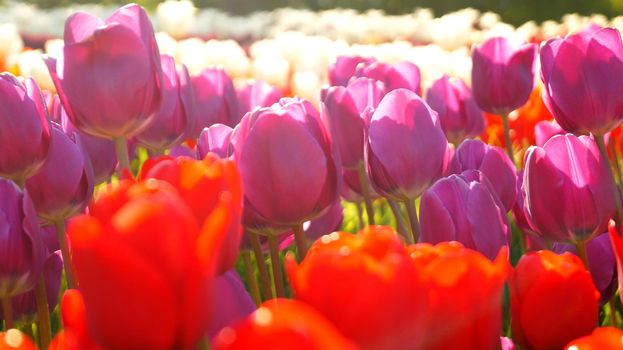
351,187
519,212
22,251
176,115
25,131
109,77
404,74
462,208
407,149
256,93
231,302
215,139
545,130
458,112
328,222
601,264
64,185
182,151
344,68
567,189
286,163
582,74
216,100
491,161
502,74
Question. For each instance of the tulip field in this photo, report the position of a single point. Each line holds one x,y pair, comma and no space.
168,181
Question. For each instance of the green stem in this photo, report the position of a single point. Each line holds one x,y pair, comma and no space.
7,312
507,137
360,215
275,262
413,219
121,148
62,240
599,139
301,240
400,223
365,190
613,312
43,314
255,290
261,264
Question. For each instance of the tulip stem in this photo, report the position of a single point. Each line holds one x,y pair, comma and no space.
360,215
413,220
507,137
62,240
615,158
121,147
261,264
581,248
400,223
365,190
301,241
43,313
7,312
255,290
613,312
599,139
20,182
275,262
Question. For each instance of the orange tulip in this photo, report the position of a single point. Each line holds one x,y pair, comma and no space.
74,335
601,338
553,300
283,324
212,189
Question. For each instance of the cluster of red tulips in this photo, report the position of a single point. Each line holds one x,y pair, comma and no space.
146,200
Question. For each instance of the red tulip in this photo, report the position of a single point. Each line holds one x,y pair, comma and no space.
601,338
13,339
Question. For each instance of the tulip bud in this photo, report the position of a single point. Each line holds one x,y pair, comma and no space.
502,74
256,93
601,338
231,302
545,130
215,139
216,100
344,68
402,75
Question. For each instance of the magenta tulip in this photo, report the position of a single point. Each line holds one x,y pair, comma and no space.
458,112
231,302
545,130
520,218
582,74
24,130
502,74
404,74
216,100
344,68
286,163
215,139
407,149
491,161
109,77
256,93
567,189
462,208
176,115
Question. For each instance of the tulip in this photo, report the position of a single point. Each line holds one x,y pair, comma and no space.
493,163
176,115
256,93
401,75
182,151
215,139
283,324
582,73
507,344
25,132
463,208
601,338
13,339
464,294
545,130
74,335
231,302
211,189
553,300
344,68
366,285
143,239
120,58
458,112
216,100
520,217
568,193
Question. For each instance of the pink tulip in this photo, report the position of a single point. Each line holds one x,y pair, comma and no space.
216,100
256,93
404,74
215,139
545,130
344,68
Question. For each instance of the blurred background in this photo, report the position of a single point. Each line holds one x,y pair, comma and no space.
512,11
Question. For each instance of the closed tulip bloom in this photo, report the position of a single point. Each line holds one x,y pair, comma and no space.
407,149
216,100
463,208
283,324
553,300
567,189
401,75
14,339
601,338
344,68
256,93
215,139
176,115
25,131
520,217
582,73
74,335
491,161
458,112
502,74
22,252
545,130
142,239
288,170
231,302
64,185
109,77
